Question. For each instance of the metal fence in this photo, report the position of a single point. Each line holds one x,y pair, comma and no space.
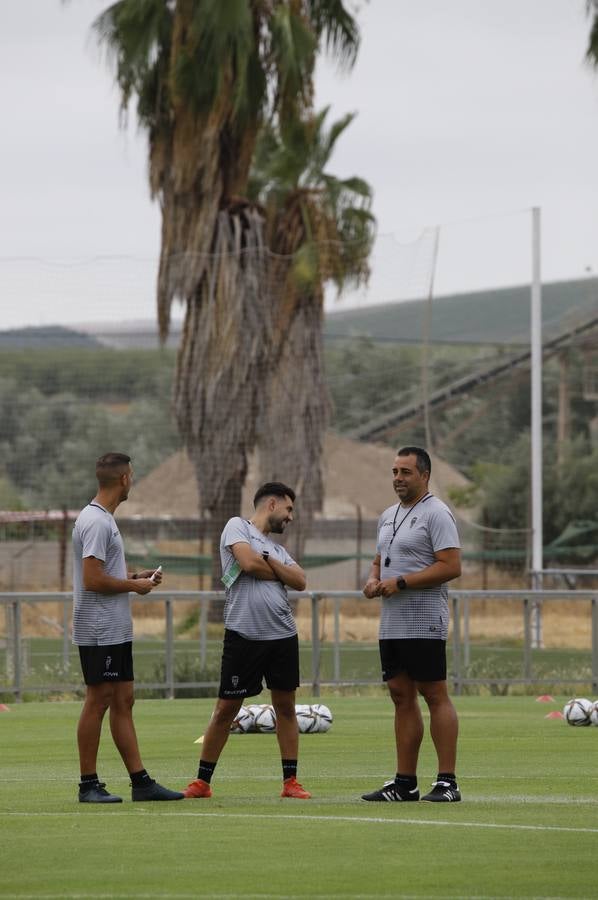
324,659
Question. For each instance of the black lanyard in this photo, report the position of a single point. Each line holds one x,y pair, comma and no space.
395,530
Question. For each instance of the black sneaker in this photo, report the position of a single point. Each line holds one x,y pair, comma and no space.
155,791
97,793
391,792
443,792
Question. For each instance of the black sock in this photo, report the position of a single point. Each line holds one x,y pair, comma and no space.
408,781
86,782
447,776
140,779
289,768
206,770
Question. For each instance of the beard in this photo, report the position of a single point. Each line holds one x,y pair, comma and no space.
277,526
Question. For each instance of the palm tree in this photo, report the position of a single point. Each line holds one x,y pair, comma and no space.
320,229
206,76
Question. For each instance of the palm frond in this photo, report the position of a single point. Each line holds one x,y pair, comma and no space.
592,48
292,50
337,27
136,35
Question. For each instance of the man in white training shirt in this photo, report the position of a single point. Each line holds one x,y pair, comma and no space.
417,554
103,631
260,638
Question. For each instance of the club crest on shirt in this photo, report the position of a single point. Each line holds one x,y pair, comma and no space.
413,521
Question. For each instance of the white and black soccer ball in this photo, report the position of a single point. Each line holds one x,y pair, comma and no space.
243,722
594,713
323,716
577,711
307,719
265,719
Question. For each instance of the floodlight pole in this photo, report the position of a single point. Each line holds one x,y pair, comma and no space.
536,426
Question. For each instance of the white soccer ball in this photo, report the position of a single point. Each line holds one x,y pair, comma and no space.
594,713
265,719
243,721
578,711
307,719
323,716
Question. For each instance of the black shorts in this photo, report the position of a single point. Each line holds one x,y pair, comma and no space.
422,659
112,662
245,663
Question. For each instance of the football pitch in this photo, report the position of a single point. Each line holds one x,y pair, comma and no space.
527,827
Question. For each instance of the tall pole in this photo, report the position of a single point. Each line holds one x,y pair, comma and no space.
426,349
536,423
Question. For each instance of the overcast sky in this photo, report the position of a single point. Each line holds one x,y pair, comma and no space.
470,112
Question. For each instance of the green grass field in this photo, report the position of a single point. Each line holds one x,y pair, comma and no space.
528,826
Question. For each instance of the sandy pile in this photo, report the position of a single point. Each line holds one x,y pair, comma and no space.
356,475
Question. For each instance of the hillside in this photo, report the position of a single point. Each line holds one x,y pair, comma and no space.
482,317
498,316
47,337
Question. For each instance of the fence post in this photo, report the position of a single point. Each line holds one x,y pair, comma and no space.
456,645
169,650
16,634
466,648
315,644
66,646
203,632
337,640
594,644
527,640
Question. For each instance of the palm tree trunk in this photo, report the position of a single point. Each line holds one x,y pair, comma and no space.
293,419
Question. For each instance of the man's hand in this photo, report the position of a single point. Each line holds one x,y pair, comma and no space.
387,587
150,573
144,585
372,588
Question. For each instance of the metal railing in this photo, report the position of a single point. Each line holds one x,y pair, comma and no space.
532,603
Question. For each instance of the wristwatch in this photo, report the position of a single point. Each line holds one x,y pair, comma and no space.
265,555
401,583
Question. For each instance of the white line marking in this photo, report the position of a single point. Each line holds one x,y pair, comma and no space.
300,817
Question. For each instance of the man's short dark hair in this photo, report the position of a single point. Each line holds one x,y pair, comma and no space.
110,466
423,461
273,489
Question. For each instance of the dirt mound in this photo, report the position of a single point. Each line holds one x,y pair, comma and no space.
356,475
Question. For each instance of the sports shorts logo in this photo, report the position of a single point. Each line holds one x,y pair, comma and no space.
107,672
235,680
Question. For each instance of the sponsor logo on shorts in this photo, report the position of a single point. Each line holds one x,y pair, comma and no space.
234,680
232,693
108,673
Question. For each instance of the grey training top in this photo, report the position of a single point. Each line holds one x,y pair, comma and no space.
258,610
99,619
419,532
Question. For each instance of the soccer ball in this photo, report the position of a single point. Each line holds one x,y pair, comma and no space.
307,719
265,719
594,713
578,711
243,721
323,716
